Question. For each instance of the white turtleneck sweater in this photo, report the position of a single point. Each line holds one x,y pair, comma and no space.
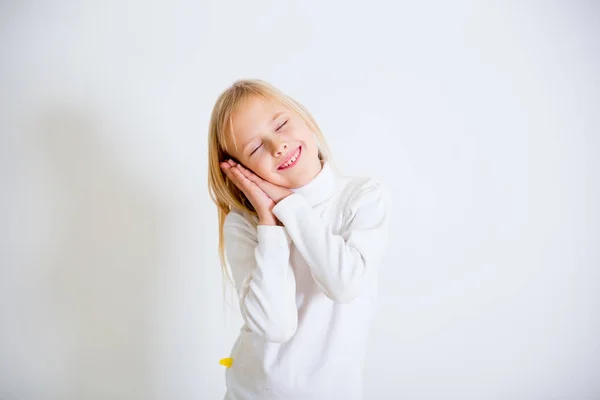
307,290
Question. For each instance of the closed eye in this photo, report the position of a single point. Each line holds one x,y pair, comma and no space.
254,151
281,126
278,128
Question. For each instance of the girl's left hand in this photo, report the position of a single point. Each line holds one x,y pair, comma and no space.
275,192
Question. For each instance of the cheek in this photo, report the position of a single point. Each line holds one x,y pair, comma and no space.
309,138
267,171
312,145
262,167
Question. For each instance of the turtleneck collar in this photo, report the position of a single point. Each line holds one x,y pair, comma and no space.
321,187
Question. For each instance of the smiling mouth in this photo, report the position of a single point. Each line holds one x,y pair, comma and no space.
292,160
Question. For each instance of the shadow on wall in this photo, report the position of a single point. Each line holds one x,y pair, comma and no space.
100,281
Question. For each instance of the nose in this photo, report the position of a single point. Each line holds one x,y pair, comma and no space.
279,147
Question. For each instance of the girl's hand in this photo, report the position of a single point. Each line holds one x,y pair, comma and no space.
261,202
275,192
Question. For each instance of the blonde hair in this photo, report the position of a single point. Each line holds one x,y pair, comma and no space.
222,191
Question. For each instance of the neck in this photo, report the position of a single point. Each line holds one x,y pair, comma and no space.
321,186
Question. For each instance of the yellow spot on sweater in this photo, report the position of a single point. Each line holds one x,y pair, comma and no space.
226,362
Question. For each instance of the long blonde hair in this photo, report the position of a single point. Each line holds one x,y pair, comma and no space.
222,191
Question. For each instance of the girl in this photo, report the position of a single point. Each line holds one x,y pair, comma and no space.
303,243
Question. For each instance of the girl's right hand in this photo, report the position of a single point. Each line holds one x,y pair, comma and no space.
261,202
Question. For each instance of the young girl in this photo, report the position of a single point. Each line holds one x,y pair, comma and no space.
303,243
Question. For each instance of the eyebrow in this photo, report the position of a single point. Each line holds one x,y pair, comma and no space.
277,115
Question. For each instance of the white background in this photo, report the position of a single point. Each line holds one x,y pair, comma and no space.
483,120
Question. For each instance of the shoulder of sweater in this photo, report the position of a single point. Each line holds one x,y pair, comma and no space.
241,221
359,192
354,188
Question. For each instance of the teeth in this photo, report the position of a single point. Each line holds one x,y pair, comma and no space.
291,160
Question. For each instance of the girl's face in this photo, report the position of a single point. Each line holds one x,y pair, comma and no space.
275,143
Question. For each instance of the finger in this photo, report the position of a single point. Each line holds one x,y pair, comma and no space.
251,176
249,188
238,173
233,178
243,186
231,162
243,169
229,172
239,176
264,185
240,180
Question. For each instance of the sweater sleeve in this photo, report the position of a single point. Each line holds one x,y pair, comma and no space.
260,265
342,265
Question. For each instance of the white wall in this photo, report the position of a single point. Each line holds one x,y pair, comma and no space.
482,119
